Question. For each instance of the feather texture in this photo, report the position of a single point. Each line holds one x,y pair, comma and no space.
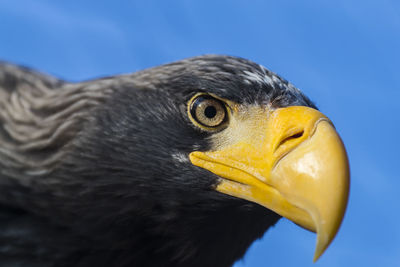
100,167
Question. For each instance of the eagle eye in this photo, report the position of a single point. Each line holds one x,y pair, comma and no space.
207,112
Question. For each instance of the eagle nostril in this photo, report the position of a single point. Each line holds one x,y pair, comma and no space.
297,135
290,138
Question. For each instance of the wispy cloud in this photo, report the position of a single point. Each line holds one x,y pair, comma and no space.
50,17
71,34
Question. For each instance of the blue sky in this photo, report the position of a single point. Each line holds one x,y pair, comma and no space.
343,54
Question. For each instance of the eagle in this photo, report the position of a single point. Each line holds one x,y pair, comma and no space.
183,164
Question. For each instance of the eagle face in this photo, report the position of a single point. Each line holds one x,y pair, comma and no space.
188,163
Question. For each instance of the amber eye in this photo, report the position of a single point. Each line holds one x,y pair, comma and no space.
208,111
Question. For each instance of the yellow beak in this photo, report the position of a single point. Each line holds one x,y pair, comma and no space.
296,165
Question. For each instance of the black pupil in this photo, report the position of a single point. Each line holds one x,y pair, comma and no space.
210,112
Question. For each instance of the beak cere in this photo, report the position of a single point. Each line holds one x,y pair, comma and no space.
292,162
